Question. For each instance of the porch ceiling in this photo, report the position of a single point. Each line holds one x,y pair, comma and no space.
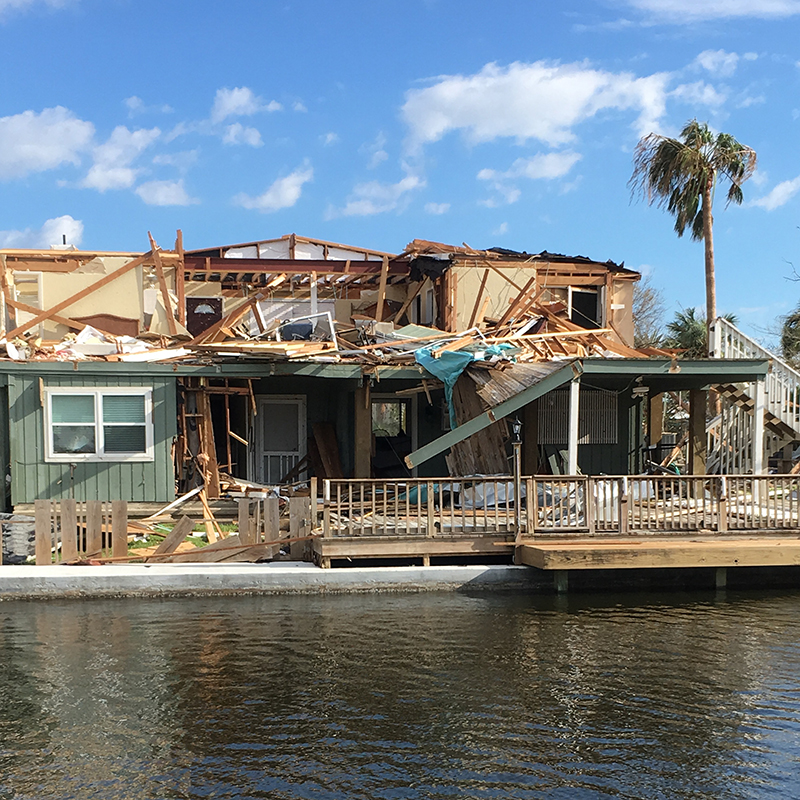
662,375
658,374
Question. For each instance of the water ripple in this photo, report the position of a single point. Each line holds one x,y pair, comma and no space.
420,696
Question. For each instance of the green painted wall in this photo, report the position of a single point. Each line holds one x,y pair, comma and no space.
32,478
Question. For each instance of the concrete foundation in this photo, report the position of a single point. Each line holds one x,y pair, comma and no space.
139,580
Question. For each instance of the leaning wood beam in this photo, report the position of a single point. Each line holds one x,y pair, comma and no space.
226,322
162,284
477,305
180,278
552,381
66,321
505,277
41,317
7,294
382,289
409,300
519,300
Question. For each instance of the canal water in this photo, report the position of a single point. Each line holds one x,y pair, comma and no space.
402,696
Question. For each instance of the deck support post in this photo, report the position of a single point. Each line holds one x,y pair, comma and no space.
759,405
561,581
698,400
362,467
572,447
721,578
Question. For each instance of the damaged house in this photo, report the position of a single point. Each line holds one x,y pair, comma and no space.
142,377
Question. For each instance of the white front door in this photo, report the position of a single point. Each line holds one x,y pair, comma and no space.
280,436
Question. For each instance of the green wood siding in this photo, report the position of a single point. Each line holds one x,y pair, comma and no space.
32,478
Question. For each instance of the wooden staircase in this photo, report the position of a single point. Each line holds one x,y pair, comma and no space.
730,433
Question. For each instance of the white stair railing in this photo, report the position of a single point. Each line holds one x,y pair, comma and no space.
782,381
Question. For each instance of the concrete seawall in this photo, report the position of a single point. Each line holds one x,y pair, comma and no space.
139,580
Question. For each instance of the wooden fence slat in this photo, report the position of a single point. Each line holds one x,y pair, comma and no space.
299,517
272,523
94,527
119,528
43,522
245,526
69,530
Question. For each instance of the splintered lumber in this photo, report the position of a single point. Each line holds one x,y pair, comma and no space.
174,504
232,318
181,530
209,520
474,316
382,289
72,299
162,283
328,449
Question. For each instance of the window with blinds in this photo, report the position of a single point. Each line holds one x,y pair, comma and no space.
109,424
597,419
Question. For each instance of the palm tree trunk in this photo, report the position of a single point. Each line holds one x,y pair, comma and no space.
711,281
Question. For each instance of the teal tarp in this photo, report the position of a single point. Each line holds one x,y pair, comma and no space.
446,368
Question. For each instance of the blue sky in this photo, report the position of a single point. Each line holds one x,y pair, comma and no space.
496,124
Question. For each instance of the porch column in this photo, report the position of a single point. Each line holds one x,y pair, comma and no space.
759,405
362,461
572,447
530,438
698,401
655,419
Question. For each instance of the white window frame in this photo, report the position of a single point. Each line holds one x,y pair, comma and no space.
98,392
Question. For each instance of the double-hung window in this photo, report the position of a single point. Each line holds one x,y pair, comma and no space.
108,424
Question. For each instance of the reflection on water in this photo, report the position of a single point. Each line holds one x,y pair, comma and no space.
411,696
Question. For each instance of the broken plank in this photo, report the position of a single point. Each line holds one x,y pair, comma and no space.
182,529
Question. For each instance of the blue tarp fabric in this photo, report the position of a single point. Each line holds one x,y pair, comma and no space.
446,368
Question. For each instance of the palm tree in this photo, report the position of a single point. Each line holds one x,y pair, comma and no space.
681,176
687,332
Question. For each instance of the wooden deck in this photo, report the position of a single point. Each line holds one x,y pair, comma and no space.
675,552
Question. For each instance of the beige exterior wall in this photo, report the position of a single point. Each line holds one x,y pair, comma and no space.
622,318
121,297
500,291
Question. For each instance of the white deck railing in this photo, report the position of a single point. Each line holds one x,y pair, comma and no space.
560,506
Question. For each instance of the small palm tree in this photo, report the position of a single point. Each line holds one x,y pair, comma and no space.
681,176
688,332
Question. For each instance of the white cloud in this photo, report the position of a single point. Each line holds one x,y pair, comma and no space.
165,193
546,166
329,138
501,229
239,102
241,134
437,208
299,107
718,62
542,166
136,105
375,150
181,160
542,100
7,6
31,142
283,193
113,160
779,196
698,93
52,232
374,197
688,11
